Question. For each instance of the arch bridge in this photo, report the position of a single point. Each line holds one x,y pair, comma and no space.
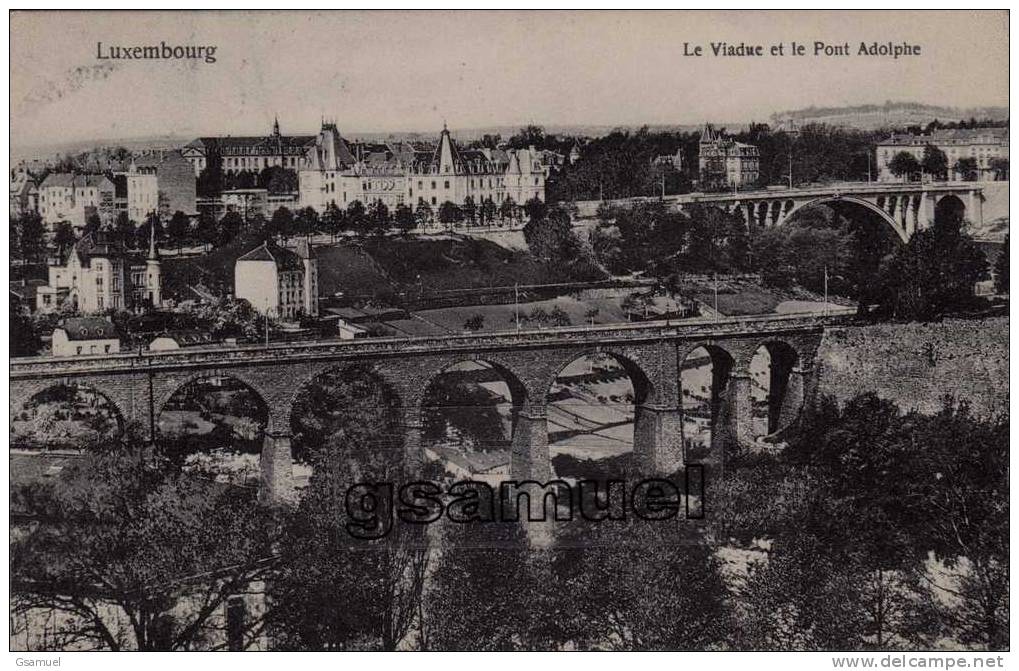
652,353
905,207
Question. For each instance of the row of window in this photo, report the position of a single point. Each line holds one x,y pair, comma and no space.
93,349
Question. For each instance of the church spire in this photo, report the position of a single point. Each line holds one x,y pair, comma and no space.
276,126
153,252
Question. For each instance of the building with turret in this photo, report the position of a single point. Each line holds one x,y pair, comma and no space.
405,173
724,162
98,275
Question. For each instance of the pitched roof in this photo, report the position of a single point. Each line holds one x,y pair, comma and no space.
97,244
951,136
68,179
283,258
88,328
189,337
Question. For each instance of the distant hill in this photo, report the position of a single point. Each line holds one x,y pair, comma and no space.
888,115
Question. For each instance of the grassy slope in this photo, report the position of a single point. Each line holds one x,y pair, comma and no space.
397,264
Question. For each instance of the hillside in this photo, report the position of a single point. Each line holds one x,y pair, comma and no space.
371,268
888,115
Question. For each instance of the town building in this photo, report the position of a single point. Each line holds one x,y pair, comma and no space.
81,336
983,145
724,162
279,282
176,185
670,161
337,172
72,198
99,275
24,194
248,153
142,196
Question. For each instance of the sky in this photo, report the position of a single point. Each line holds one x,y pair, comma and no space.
410,71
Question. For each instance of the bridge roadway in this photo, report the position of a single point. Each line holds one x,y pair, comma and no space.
906,207
138,384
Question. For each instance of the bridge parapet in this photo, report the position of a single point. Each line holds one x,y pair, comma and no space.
374,348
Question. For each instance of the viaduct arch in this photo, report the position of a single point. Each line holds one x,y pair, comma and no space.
652,355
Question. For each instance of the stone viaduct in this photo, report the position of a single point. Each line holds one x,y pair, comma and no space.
905,207
652,353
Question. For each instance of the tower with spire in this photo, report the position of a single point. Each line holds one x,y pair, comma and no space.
153,273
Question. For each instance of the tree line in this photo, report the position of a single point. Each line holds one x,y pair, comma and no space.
840,551
860,258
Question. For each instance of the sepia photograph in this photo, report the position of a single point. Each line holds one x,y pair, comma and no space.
516,330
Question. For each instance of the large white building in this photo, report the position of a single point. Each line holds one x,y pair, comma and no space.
99,275
983,145
72,198
336,172
252,153
279,282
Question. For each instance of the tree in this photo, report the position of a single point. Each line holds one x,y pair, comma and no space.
933,274
618,573
535,209
25,340
963,516
470,210
1001,270
282,223
484,568
205,230
423,213
475,322
277,180
335,591
14,238
30,235
508,209
124,229
334,220
357,217
935,162
230,226
143,236
229,318
92,224
210,181
64,238
1000,168
178,228
404,218
488,210
450,213
966,168
904,164
307,222
551,237
379,219
139,535
530,136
